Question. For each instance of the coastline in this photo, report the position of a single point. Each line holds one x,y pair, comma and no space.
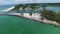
35,17
26,16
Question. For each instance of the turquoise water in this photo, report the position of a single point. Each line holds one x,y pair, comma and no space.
18,25
56,9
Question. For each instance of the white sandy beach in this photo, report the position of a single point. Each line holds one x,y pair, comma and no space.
37,17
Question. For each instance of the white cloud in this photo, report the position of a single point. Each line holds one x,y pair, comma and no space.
37,1
29,1
26,1
5,2
52,1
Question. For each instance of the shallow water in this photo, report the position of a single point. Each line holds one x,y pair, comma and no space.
55,9
18,25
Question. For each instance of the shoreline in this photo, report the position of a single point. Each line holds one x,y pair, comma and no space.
45,21
33,17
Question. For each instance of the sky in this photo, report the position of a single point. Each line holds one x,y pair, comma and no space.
6,2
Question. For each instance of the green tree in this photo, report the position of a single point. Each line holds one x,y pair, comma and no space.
57,17
50,15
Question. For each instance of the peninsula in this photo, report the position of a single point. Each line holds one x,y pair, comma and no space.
45,16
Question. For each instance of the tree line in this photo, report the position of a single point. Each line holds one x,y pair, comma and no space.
51,15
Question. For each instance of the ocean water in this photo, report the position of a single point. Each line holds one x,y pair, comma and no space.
18,25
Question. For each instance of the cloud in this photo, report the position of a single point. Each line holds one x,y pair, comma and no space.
52,1
29,1
2,1
5,2
36,1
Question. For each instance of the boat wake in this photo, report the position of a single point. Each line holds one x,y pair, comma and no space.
9,9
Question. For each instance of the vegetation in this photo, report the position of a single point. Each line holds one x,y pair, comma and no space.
57,17
23,7
50,15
